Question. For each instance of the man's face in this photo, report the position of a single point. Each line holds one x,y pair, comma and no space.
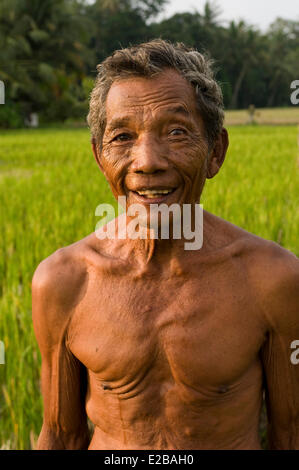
154,146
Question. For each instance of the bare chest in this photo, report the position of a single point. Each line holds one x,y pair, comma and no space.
183,330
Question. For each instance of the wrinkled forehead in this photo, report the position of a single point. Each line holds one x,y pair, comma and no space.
135,95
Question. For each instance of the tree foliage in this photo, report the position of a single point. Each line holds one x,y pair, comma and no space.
50,48
44,54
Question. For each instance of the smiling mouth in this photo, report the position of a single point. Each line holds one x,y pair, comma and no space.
154,193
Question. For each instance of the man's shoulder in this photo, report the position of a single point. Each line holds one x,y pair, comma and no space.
262,254
60,278
59,284
272,270
273,275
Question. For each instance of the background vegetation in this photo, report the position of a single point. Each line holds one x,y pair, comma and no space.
49,189
50,48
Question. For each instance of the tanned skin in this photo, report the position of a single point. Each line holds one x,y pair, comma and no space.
160,347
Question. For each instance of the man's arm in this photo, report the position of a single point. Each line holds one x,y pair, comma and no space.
55,287
281,308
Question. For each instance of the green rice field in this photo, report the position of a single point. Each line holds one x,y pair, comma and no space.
50,186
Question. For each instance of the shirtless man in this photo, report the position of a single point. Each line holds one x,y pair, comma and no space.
161,347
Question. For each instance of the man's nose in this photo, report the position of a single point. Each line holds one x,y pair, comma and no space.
148,156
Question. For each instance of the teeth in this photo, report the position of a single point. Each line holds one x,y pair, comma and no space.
151,193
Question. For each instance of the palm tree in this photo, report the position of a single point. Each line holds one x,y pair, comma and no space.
240,55
44,52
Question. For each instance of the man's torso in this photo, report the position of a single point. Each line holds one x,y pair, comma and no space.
172,354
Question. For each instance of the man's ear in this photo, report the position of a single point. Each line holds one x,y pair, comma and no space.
97,154
218,154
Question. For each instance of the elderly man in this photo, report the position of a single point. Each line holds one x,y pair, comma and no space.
160,346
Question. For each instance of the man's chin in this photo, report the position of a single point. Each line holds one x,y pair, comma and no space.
155,225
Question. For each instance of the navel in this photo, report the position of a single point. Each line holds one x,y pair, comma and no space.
223,389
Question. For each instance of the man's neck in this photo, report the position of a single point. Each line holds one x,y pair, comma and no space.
150,248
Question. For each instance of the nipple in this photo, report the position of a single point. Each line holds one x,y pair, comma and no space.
106,386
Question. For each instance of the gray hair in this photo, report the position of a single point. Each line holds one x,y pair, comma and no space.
150,59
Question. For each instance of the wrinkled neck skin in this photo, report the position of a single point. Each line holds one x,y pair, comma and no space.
153,252
154,249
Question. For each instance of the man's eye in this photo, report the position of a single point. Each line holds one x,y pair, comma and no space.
177,131
122,137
